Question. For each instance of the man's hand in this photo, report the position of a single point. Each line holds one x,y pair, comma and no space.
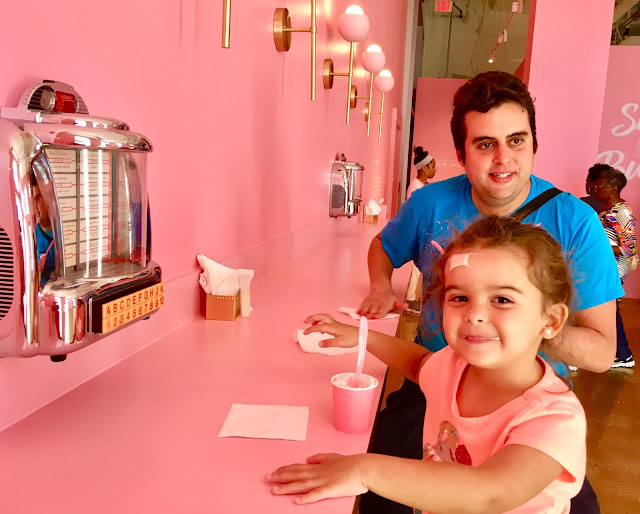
326,475
381,297
379,302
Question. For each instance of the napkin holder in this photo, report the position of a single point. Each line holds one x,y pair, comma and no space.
370,218
221,307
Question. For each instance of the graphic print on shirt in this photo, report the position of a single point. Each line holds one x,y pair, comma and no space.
447,448
619,224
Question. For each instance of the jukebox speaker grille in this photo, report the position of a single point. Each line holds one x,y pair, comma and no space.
6,274
338,196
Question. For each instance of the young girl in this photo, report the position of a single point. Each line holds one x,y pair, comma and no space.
502,432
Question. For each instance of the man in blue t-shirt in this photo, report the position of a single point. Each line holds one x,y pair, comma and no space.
494,132
44,236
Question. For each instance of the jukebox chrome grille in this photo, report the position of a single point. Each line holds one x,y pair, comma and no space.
338,195
6,274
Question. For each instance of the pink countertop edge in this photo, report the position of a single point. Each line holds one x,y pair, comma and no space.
142,436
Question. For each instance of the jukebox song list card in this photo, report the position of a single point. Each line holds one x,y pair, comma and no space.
82,180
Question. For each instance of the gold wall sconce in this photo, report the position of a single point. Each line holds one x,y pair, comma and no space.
384,83
372,60
282,37
226,23
353,26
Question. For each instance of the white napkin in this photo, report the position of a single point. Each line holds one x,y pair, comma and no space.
354,313
266,422
374,207
216,278
309,343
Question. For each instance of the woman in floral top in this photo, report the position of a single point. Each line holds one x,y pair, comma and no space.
619,223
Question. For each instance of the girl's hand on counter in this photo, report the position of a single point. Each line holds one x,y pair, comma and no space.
345,336
326,475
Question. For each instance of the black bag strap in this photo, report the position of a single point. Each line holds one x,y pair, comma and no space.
536,203
44,234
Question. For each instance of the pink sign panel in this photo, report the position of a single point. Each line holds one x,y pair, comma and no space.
620,131
431,126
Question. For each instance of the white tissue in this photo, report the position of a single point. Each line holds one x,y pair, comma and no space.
350,311
220,280
216,278
310,344
373,208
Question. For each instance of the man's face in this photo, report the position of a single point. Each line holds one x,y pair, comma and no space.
41,207
499,158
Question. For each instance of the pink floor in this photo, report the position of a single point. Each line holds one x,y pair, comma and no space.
142,436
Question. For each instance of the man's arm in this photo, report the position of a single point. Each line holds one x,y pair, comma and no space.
589,342
381,298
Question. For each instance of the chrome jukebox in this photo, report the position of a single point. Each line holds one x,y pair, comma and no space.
75,238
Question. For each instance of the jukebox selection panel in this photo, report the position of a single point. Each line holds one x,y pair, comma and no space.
82,180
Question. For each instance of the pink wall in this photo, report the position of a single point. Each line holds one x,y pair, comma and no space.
566,76
619,139
242,156
431,129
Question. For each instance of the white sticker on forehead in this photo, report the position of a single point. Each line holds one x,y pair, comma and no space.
459,259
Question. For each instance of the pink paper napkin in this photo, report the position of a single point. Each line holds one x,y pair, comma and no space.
266,422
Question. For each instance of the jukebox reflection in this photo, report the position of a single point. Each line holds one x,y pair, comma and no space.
44,234
75,245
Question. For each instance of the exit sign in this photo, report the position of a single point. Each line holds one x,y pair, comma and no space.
443,5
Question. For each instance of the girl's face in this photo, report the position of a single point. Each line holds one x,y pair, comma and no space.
493,316
431,169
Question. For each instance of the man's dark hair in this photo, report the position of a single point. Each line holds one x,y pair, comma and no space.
614,178
597,170
484,92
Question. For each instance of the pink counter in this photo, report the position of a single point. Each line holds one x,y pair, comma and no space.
142,436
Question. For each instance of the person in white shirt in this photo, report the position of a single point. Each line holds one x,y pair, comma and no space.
425,165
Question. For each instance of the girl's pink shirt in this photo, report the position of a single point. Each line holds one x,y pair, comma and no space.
547,417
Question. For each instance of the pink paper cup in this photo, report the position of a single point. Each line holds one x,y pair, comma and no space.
353,407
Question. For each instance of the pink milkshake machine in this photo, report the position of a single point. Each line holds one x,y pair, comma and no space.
75,238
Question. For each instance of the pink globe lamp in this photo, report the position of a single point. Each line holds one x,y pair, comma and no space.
384,81
353,24
373,59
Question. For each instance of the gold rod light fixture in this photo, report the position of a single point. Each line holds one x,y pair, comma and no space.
282,37
226,23
384,83
369,103
350,79
367,116
368,99
381,115
353,26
